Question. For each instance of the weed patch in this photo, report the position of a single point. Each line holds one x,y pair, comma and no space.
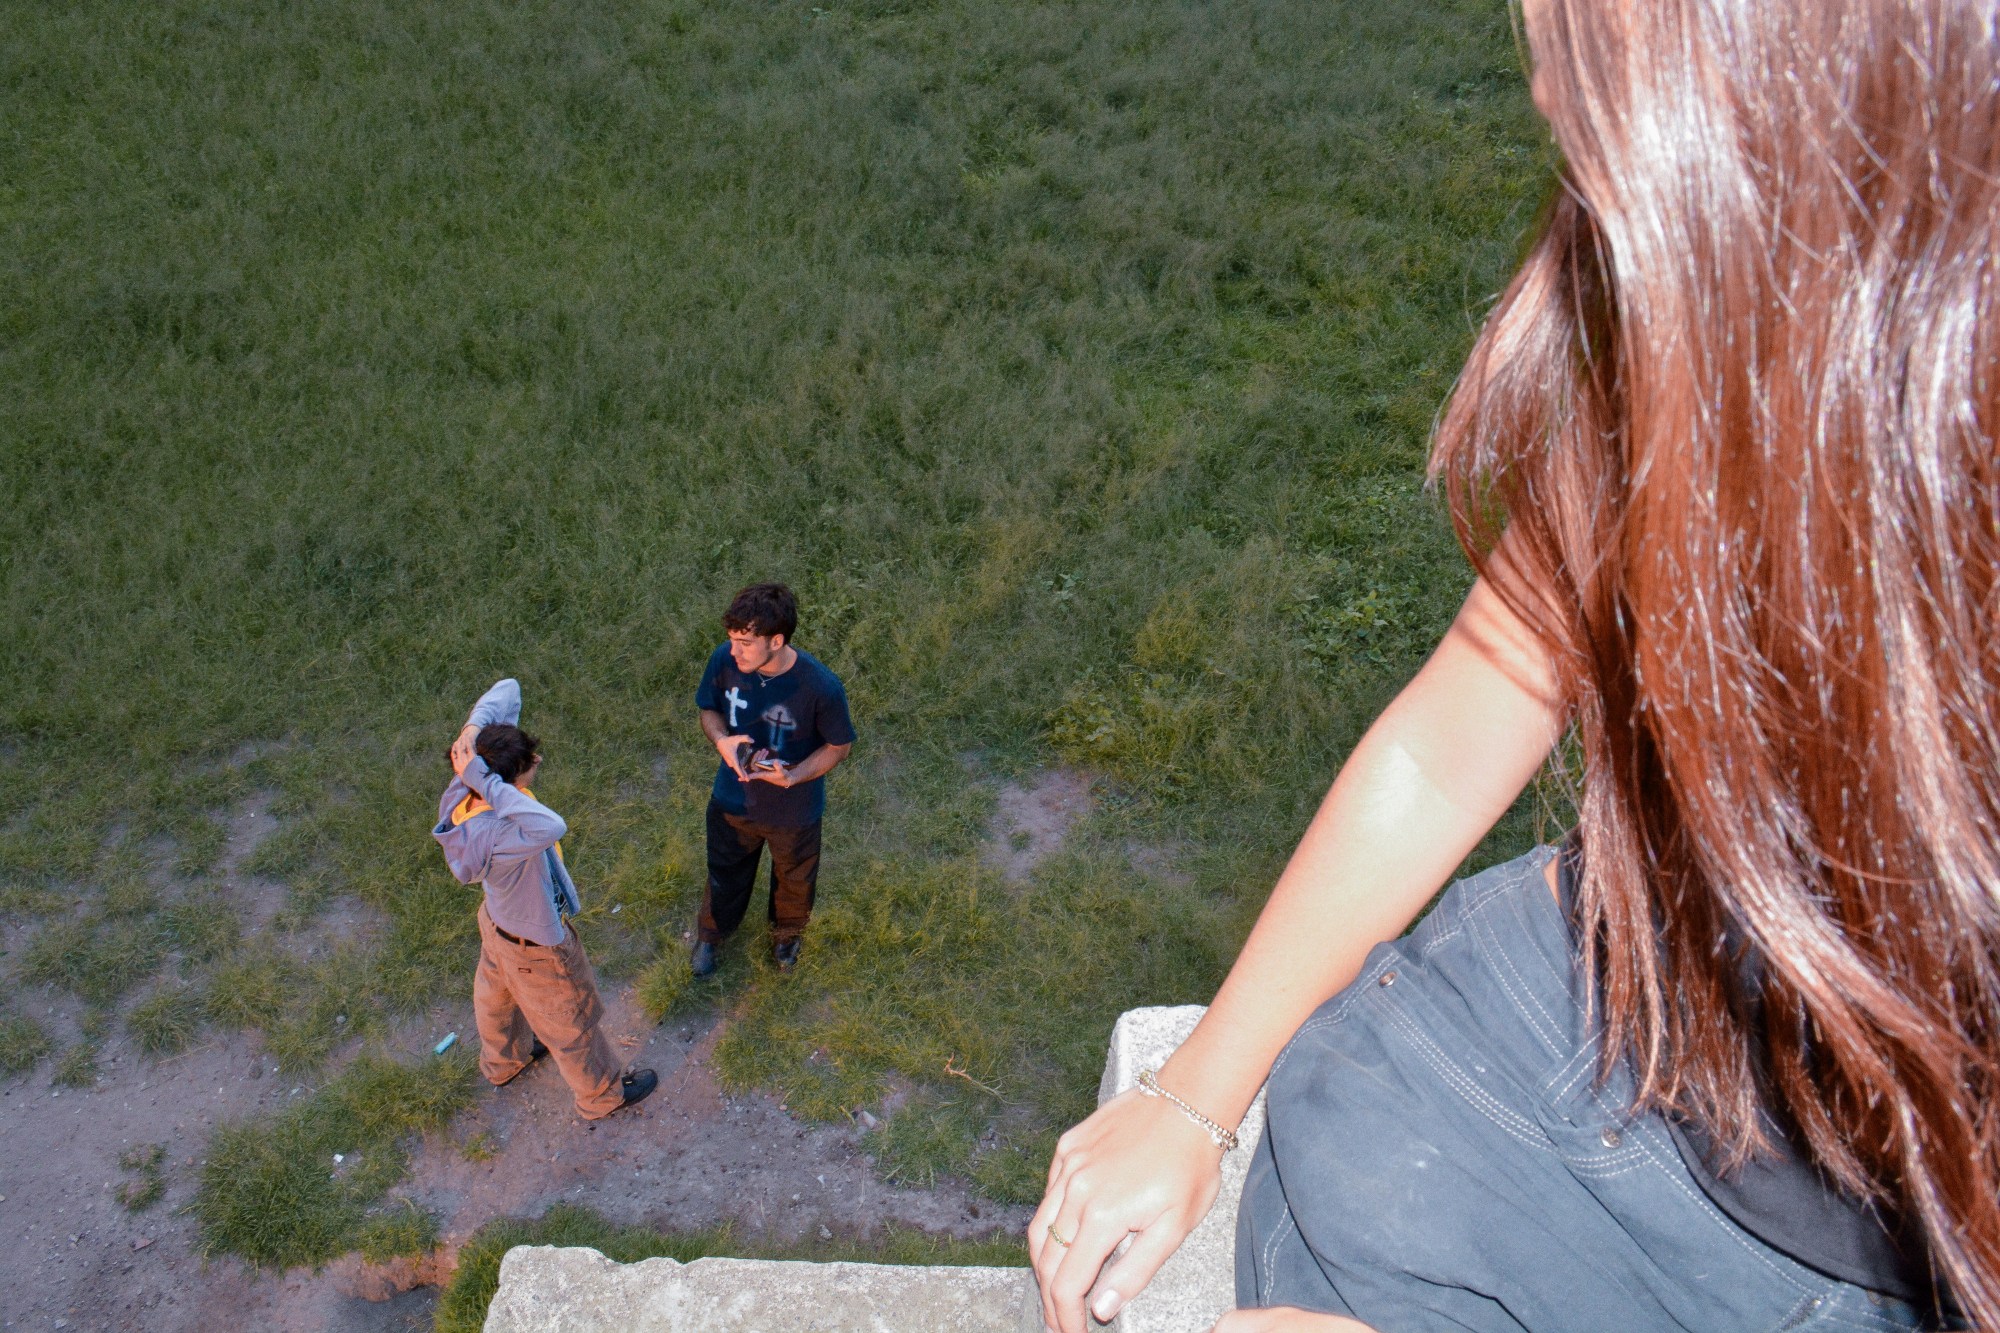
77,1066
146,1164
404,1229
97,958
272,1191
928,1135
200,930
166,1023
252,989
665,985
201,843
23,1043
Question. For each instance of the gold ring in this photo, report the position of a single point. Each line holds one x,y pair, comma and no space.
1057,1236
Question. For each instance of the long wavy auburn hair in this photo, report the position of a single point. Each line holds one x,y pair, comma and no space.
1736,416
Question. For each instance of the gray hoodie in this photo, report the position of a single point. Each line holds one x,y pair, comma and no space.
511,848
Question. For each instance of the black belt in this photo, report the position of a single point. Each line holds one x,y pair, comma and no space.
512,938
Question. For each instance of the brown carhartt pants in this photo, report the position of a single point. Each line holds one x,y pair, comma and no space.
524,991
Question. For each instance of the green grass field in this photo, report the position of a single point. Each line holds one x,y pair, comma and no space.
1075,361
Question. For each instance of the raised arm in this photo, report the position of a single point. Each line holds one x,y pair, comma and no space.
1430,777
502,703
525,827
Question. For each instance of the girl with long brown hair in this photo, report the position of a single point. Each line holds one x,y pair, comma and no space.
1724,457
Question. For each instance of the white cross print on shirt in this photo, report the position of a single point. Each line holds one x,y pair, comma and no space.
736,701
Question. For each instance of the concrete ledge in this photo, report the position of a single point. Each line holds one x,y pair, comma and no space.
548,1289
551,1289
1198,1285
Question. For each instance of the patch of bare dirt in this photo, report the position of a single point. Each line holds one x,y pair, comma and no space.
1032,820
73,1257
255,899
687,1157
260,902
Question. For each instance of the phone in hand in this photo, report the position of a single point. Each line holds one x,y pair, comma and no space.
755,761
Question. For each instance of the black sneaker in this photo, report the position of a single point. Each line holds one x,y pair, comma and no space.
785,953
534,1055
702,960
637,1086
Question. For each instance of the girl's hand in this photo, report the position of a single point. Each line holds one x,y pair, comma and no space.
1136,1167
1286,1319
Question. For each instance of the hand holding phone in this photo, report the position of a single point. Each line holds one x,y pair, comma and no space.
759,761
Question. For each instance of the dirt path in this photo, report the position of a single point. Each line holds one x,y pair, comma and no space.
687,1157
72,1257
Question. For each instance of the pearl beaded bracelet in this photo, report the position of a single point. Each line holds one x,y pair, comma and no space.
1224,1139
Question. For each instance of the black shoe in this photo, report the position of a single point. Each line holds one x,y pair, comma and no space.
534,1055
785,953
702,960
637,1086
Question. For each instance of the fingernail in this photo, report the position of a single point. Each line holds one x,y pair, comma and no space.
1109,1302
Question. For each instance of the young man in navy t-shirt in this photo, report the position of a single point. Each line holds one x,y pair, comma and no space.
779,720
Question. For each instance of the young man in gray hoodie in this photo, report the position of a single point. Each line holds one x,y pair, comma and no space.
533,979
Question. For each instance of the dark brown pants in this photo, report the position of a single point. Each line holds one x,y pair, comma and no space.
734,847
524,991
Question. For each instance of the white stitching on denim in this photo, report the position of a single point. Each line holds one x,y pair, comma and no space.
1501,967
1436,942
1290,1223
1347,1000
1478,1098
1584,1066
1310,1025
1475,896
1501,952
1701,1200
1614,1161
1500,1114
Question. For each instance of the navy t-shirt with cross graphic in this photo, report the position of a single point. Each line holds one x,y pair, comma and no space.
791,714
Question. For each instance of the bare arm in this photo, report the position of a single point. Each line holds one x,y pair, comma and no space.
1442,763
815,765
725,741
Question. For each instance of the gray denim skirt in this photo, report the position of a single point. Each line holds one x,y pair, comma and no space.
1440,1155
